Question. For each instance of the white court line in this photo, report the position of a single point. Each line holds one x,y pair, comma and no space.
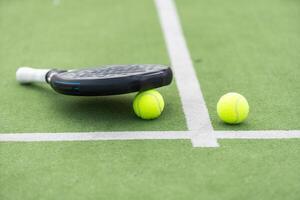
80,136
269,134
192,100
144,135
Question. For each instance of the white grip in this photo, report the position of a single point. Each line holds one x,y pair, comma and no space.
29,75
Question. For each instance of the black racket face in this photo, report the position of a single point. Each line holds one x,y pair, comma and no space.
111,80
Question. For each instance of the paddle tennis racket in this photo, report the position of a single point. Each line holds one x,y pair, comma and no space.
100,81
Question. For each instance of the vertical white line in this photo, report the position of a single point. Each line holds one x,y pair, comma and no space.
188,85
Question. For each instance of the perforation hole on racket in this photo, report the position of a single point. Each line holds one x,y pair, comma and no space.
100,81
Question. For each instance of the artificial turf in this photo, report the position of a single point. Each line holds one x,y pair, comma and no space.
150,170
249,47
78,34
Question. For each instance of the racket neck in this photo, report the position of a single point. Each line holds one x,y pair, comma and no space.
51,73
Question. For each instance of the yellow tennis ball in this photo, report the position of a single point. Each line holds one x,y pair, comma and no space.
148,104
233,108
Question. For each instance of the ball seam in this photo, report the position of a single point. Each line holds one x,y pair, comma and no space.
157,100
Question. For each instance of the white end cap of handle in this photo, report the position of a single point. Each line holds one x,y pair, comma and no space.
28,75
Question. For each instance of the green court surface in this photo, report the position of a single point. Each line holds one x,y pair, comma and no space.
150,170
236,45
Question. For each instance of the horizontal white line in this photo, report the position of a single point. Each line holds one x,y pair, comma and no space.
126,135
268,134
199,139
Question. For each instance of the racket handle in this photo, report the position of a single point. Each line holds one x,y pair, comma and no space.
29,75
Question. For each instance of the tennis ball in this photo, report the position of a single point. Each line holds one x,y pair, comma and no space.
233,108
148,104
